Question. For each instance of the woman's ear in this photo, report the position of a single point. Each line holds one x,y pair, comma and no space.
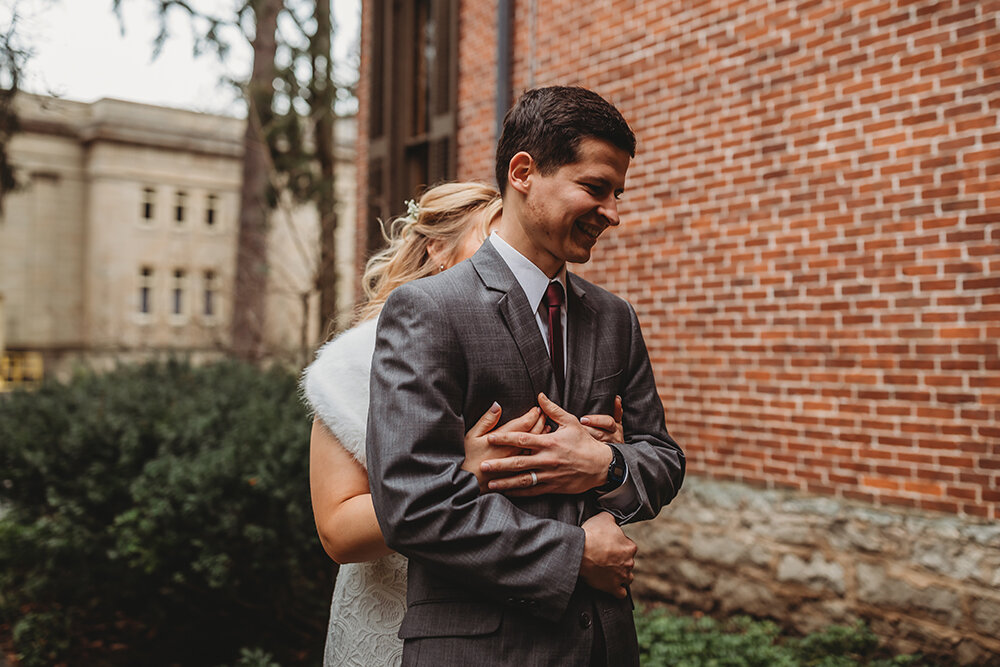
435,250
519,172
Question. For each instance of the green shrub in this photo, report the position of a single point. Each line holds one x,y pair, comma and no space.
160,514
681,641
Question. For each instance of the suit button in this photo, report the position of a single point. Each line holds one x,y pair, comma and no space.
585,621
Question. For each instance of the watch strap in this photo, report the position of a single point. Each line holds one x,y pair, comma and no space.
617,471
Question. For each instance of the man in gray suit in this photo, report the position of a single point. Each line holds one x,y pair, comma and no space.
537,575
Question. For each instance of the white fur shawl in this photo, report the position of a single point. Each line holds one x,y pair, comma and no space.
336,385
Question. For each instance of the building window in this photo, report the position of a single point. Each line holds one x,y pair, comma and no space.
145,291
21,369
211,208
177,293
148,202
210,305
179,203
414,102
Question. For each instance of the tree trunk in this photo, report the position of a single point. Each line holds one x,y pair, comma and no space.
323,94
250,289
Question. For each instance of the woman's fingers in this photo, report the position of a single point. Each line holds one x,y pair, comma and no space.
486,422
526,423
598,434
606,428
540,425
602,422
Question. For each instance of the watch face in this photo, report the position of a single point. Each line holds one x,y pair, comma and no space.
618,471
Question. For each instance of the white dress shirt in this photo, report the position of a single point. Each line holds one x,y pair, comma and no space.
534,282
622,502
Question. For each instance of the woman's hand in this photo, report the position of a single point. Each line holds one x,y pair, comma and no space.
606,428
478,448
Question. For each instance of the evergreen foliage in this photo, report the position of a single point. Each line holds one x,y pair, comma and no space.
160,514
683,641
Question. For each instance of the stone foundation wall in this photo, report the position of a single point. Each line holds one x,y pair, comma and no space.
925,583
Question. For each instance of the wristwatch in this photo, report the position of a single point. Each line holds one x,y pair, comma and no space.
616,472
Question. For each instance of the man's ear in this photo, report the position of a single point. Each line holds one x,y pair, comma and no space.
519,172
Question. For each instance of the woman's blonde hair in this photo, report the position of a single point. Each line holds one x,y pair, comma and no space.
444,214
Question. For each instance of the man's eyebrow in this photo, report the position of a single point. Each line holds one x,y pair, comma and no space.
603,181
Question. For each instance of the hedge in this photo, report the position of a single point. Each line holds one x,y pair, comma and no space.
667,640
159,514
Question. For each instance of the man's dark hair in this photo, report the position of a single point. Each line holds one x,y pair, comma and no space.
548,123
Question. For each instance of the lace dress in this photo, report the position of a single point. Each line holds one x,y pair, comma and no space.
369,599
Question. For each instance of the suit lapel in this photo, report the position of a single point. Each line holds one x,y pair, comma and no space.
581,333
518,317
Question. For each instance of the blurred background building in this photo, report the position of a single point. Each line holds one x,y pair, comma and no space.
811,239
121,242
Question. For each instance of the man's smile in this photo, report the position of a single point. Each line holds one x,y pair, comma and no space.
589,229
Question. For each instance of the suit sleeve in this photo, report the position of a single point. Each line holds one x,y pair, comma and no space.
655,461
427,507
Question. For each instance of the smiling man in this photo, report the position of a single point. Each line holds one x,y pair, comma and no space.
537,574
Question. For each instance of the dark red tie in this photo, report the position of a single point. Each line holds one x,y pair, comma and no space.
553,301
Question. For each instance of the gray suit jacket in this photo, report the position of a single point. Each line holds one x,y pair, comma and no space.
492,577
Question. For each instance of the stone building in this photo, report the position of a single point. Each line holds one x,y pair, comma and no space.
811,240
121,242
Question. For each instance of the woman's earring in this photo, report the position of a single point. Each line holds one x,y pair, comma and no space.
441,269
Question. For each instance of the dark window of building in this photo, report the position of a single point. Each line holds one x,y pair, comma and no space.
179,205
148,199
177,293
145,290
413,104
210,289
211,205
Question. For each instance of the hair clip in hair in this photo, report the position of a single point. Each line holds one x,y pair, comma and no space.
412,210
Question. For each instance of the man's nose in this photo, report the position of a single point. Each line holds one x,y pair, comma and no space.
609,209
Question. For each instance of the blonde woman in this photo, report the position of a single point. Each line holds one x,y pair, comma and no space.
445,227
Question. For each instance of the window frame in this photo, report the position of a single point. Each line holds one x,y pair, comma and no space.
210,296
412,142
177,297
147,206
145,294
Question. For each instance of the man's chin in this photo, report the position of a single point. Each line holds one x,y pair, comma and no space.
579,257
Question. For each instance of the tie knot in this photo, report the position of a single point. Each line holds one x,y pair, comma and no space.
553,295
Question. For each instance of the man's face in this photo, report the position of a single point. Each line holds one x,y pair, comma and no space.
567,210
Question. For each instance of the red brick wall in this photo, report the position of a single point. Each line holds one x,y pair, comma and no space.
477,89
811,230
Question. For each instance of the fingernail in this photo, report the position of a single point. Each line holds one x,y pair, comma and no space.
584,420
485,467
495,408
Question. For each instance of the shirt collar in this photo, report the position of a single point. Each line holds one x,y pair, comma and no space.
532,279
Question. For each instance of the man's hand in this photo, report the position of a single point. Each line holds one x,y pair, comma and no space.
568,460
608,556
